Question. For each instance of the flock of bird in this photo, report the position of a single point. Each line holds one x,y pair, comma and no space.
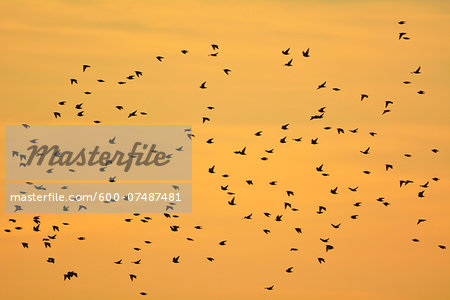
243,151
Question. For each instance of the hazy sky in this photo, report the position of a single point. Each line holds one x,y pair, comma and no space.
354,46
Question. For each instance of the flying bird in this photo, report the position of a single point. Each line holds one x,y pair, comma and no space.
306,53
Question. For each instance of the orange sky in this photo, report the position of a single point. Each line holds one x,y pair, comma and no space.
354,46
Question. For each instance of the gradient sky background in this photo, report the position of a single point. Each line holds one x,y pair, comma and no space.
354,46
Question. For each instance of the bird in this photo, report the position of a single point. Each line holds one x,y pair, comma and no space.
321,209
51,260
401,34
241,152
289,63
387,102
363,96
176,259
417,71
286,52
132,277
322,85
160,58
420,221
132,114
336,226
184,51
215,46
227,71
405,182
85,67
211,169
306,53
70,274
425,185
289,270
203,85
269,288
365,151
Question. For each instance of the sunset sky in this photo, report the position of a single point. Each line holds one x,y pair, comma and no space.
354,46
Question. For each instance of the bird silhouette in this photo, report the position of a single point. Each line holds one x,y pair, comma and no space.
289,63
322,85
306,53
